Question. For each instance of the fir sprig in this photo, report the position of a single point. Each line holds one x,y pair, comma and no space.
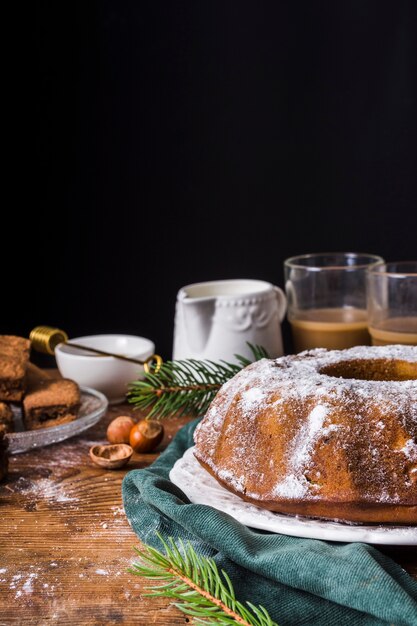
186,386
196,586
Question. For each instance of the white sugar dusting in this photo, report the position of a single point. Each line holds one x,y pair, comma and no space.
28,585
252,395
43,488
238,482
251,399
48,489
299,377
410,450
295,484
331,428
307,436
270,387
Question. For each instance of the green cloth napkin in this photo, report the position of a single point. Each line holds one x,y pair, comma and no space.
299,581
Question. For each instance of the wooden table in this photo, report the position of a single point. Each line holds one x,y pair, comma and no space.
65,543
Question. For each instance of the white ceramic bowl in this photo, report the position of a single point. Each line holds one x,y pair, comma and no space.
105,373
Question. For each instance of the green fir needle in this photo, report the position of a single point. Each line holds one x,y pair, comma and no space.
195,585
186,387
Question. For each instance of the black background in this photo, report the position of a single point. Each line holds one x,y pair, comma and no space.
174,142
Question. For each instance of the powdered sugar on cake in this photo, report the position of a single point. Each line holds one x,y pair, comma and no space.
266,385
410,450
295,485
251,400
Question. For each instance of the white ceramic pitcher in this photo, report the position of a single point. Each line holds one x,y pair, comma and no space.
214,320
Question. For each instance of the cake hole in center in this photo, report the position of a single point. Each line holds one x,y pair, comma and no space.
372,369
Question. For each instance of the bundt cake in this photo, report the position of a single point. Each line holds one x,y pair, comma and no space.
329,434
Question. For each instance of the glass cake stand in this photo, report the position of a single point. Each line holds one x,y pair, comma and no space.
92,408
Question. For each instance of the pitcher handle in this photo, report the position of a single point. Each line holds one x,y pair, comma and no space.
282,302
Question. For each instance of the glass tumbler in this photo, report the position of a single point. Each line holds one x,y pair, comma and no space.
327,305
392,303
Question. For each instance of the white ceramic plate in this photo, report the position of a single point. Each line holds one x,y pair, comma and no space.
201,488
93,406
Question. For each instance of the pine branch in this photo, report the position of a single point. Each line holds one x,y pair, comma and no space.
196,586
186,386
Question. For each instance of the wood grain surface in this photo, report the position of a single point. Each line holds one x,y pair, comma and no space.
65,543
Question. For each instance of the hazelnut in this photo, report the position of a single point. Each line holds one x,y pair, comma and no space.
111,456
118,430
146,435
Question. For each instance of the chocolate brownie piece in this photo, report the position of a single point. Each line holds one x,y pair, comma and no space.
51,402
14,355
6,418
4,460
34,374
11,345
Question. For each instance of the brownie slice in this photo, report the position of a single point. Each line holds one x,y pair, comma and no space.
51,402
14,355
34,374
6,418
4,460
